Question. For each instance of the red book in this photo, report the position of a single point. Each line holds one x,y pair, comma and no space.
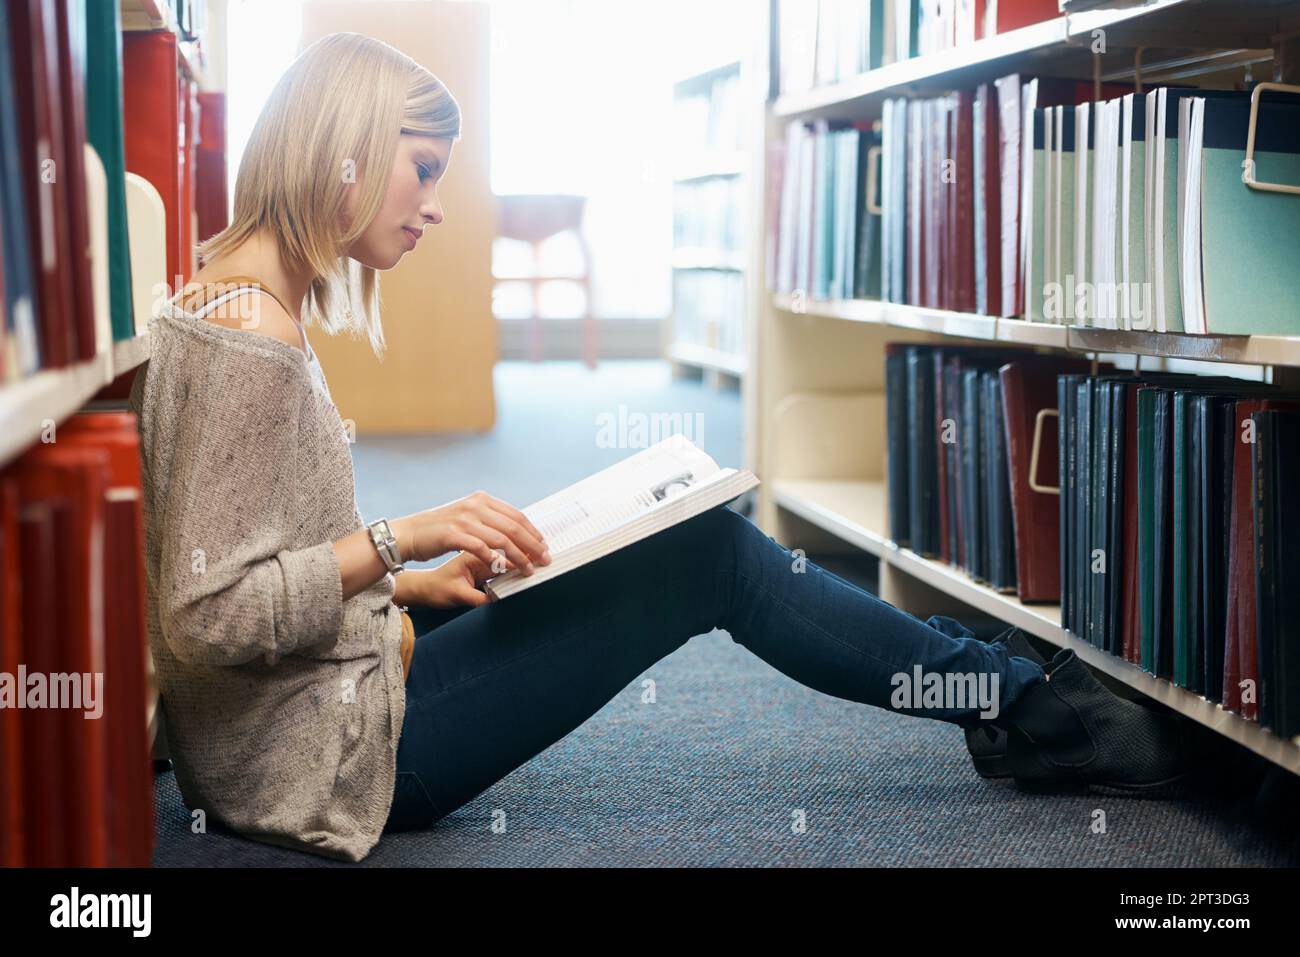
33,41
1029,388
12,830
963,191
210,195
71,43
152,127
126,646
1013,14
1241,643
189,112
988,191
64,755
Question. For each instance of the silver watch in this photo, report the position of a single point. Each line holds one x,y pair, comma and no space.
386,543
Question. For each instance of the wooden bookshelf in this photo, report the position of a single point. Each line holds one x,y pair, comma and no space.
817,411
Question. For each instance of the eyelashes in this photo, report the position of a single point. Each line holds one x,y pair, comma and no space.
424,171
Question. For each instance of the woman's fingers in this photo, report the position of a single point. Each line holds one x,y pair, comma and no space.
499,540
467,542
515,532
518,516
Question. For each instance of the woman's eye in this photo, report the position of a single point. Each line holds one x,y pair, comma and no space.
424,171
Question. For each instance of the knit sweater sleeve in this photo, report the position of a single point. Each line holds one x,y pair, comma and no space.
236,583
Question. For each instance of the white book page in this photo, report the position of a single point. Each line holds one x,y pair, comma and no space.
622,492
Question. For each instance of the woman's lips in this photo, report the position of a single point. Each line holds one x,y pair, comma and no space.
411,235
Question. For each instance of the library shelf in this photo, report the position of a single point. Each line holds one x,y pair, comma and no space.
1064,45
967,325
706,357
852,310
854,511
689,257
1268,350
27,404
711,166
1246,350
54,394
129,353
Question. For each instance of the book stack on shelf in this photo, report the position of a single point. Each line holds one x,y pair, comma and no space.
1109,199
99,140
708,269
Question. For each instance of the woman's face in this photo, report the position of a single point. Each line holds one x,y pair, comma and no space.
410,202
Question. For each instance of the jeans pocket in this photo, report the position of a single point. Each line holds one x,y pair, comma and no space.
412,808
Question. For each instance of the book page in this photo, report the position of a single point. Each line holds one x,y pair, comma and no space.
622,492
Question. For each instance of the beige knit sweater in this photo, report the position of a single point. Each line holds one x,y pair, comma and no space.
284,703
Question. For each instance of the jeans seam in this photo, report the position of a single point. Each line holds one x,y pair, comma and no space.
437,811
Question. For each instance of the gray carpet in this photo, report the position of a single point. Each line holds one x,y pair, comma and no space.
733,753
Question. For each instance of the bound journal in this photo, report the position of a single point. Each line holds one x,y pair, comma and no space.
645,493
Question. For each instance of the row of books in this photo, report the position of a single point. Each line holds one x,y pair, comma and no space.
76,776
706,213
1140,212
827,41
1152,507
1178,498
708,309
1023,198
823,214
106,176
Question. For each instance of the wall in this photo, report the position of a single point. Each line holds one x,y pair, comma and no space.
436,373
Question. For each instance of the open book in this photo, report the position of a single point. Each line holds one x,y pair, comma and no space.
645,493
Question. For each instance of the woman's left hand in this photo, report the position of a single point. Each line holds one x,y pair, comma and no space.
453,583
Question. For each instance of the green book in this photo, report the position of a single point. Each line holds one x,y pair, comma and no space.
104,133
1146,410
1181,518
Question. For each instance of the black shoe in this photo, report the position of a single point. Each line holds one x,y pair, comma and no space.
987,743
1071,732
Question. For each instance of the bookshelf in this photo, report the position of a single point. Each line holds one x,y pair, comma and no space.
817,413
141,68
708,267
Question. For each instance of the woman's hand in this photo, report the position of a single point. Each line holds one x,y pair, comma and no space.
453,583
498,535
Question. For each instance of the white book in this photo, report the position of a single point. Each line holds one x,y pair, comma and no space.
648,492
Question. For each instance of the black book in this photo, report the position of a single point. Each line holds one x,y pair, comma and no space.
973,476
1115,570
896,442
1065,389
1163,536
922,458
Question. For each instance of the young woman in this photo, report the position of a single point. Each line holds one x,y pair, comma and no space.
304,707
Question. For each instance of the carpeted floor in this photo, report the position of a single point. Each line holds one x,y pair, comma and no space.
733,755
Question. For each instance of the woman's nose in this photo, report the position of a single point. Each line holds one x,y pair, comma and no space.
432,211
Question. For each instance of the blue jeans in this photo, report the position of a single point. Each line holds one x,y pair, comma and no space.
492,686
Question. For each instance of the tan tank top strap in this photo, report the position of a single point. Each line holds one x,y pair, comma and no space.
237,281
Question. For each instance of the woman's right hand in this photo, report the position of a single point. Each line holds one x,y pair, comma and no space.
478,524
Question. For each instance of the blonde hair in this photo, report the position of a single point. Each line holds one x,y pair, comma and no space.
331,123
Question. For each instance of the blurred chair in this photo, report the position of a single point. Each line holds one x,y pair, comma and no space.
533,219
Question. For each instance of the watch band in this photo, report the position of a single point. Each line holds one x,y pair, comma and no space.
386,544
